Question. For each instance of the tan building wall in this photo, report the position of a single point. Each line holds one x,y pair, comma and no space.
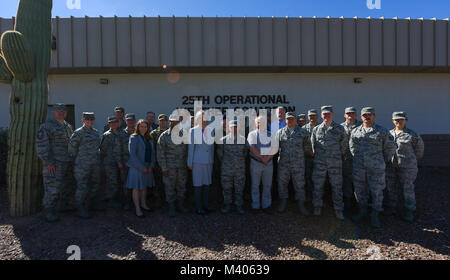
424,96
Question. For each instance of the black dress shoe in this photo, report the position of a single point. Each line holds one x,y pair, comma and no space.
141,216
147,209
201,212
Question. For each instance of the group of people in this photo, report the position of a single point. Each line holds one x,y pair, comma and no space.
357,158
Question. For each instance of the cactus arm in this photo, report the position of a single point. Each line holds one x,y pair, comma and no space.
34,22
5,74
18,55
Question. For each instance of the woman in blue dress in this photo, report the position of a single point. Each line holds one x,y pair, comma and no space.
141,164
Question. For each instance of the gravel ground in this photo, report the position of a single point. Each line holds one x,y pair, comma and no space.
120,235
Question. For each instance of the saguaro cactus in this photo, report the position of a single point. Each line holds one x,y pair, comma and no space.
24,62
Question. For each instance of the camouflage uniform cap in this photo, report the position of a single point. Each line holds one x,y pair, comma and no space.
112,119
399,116
59,106
301,117
119,109
88,116
162,117
368,110
290,115
130,116
312,112
327,109
350,110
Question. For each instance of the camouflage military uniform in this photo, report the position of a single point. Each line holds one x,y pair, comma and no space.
172,158
402,172
293,145
371,148
347,163
309,164
328,143
159,187
232,164
110,151
124,136
51,145
84,148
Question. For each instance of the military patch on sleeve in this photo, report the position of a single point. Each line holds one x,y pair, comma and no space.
40,135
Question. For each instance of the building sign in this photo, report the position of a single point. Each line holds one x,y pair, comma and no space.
244,102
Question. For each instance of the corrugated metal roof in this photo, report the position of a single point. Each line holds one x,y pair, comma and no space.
253,42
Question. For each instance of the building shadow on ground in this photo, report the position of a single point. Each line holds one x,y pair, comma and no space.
115,234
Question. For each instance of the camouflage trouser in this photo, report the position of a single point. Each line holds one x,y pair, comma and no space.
319,176
309,185
126,193
274,189
189,187
67,196
56,186
175,184
123,176
233,178
347,178
371,180
158,190
112,180
88,182
297,173
403,179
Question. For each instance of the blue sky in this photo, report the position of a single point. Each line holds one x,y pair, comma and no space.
250,8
